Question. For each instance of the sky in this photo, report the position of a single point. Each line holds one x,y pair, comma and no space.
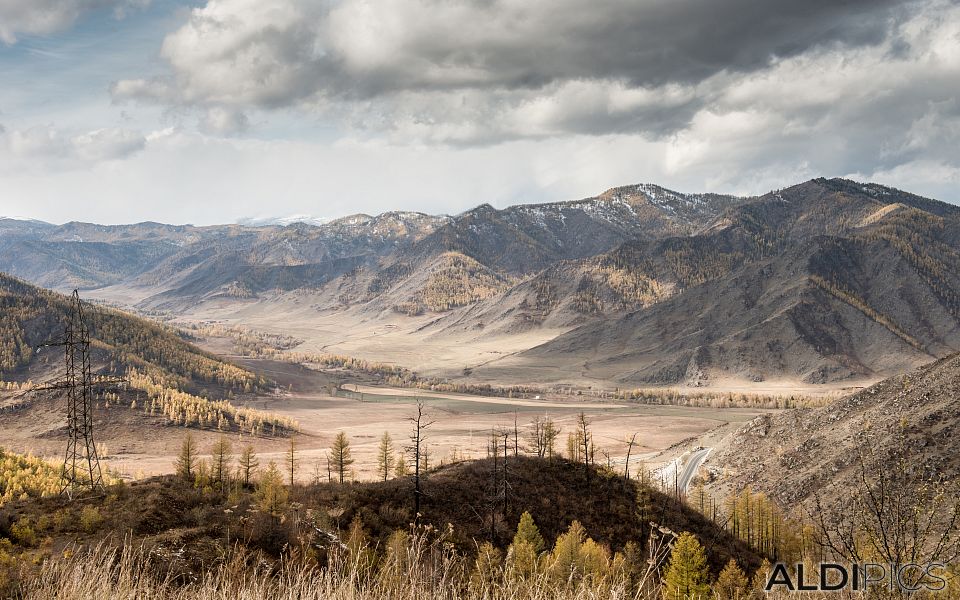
214,111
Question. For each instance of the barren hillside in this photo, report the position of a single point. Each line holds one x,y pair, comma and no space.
798,453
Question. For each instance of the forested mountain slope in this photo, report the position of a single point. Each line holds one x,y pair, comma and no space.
31,316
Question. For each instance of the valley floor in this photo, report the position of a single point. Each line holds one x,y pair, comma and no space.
434,349
461,425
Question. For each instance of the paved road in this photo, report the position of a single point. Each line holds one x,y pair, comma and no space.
690,469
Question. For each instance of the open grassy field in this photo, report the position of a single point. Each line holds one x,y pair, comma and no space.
461,423
136,445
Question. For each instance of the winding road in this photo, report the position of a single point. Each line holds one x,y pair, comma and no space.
690,469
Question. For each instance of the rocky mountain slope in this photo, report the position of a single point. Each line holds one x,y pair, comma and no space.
825,281
819,282
796,455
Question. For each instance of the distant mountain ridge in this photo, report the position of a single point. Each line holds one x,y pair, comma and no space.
827,280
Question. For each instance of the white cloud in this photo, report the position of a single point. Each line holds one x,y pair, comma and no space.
107,144
457,103
825,90
42,17
246,52
224,121
45,149
481,72
926,177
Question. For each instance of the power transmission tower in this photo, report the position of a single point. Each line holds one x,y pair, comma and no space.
81,465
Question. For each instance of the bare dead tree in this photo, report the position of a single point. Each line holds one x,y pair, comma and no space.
542,436
535,436
497,497
626,467
516,436
896,511
416,450
504,480
586,439
493,495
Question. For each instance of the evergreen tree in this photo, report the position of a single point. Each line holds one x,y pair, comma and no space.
385,458
731,584
201,478
585,439
362,557
527,531
187,460
759,580
565,559
550,434
292,461
271,495
486,571
573,447
687,575
220,461
340,451
248,463
400,467
527,546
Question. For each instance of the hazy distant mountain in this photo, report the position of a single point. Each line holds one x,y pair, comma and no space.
195,263
282,221
823,281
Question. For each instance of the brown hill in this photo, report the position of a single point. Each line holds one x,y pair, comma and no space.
799,453
32,316
195,528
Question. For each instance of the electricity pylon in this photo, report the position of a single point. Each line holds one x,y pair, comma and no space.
81,464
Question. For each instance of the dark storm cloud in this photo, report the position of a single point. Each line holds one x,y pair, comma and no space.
286,51
862,86
647,44
519,100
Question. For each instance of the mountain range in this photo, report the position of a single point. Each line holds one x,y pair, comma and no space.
826,281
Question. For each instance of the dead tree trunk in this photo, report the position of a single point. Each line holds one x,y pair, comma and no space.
626,467
416,449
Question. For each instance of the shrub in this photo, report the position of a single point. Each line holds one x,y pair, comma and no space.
90,519
23,532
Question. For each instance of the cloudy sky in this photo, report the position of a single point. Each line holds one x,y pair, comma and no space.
217,110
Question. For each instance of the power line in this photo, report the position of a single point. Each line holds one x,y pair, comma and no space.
81,464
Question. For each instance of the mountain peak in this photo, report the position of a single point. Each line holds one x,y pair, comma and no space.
281,221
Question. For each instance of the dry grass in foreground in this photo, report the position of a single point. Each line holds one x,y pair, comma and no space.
411,570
